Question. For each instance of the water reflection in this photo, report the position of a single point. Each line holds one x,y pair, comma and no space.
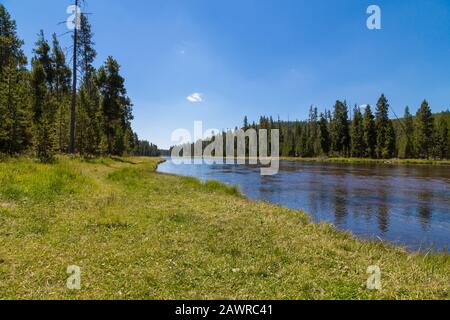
424,209
383,211
405,204
340,206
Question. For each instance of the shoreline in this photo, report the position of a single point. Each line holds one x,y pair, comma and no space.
390,162
388,243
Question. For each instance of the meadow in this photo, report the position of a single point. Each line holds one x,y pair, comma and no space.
138,234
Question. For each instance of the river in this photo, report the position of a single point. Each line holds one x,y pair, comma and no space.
405,205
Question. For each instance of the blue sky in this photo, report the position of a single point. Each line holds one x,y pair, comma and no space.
258,57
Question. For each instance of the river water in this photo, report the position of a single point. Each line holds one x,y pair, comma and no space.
406,205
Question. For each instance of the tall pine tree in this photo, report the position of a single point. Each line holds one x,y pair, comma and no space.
370,135
385,147
406,150
357,134
43,130
424,131
442,141
42,53
340,131
14,120
116,108
10,45
14,111
89,116
324,135
62,90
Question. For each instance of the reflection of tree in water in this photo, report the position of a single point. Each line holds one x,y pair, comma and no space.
424,208
368,214
340,204
383,210
315,198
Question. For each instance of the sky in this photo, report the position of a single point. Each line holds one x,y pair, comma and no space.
217,61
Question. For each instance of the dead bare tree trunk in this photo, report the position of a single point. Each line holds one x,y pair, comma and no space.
74,84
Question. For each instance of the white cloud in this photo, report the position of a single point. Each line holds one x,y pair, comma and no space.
195,97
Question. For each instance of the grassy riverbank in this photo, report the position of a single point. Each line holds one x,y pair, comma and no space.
137,234
379,161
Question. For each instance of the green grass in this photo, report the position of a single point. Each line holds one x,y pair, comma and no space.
379,161
137,234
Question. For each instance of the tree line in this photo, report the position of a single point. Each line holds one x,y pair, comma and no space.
367,134
35,102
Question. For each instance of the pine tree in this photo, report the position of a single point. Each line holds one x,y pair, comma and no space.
324,135
86,53
245,123
89,115
314,147
370,136
390,141
42,116
10,45
14,120
61,85
14,123
424,131
300,141
442,141
89,118
42,53
407,142
88,135
340,131
95,116
116,107
357,134
385,132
